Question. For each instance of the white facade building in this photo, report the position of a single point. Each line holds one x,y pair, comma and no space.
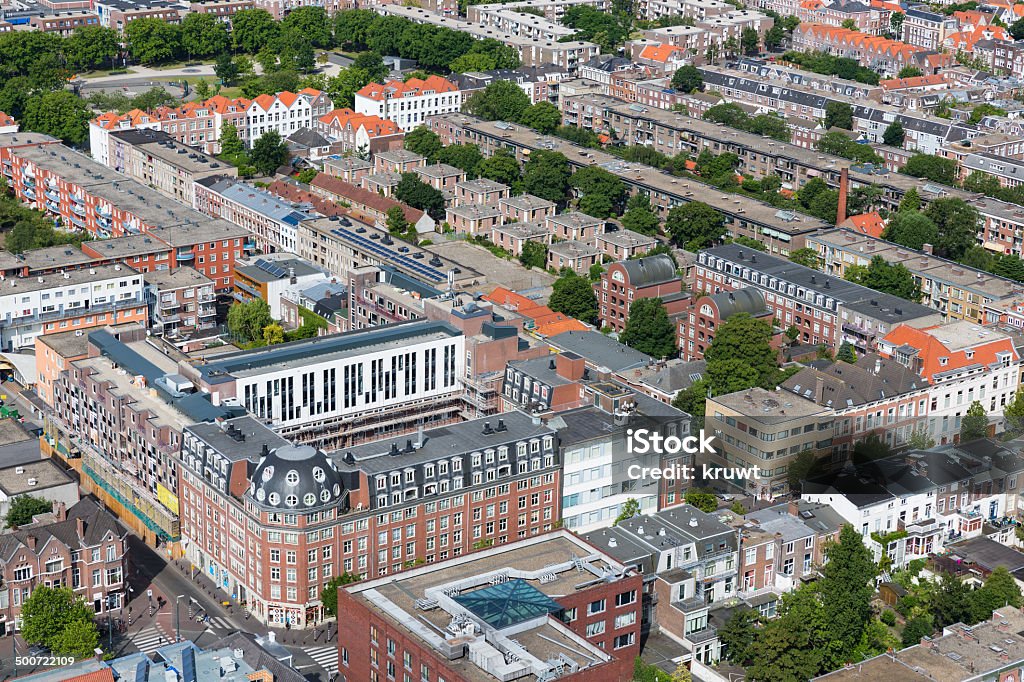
410,103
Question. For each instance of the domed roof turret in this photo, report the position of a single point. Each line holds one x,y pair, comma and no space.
296,477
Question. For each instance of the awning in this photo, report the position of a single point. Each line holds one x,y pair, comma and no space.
22,364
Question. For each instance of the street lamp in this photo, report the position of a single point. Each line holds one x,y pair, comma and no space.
177,614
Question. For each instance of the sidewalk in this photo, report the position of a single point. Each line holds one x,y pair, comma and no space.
310,637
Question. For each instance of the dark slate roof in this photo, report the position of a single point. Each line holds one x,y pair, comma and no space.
645,272
870,379
748,300
97,523
600,350
988,553
307,137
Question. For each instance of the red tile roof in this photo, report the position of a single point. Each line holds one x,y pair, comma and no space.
870,224
6,120
414,87
363,197
937,358
914,82
375,126
659,53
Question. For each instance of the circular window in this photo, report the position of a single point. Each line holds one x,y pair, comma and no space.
309,499
261,494
292,477
325,496
318,474
268,473
275,499
291,500
337,489
252,488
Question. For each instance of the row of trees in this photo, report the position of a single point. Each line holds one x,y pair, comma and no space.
251,325
734,116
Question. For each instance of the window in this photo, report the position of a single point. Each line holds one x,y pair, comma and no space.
595,629
596,607
624,598
625,640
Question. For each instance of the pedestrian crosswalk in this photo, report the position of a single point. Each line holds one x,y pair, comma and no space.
218,623
148,640
325,656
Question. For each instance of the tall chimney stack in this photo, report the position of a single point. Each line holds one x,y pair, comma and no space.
844,187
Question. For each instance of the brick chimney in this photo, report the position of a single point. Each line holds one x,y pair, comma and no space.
794,508
844,188
60,511
928,248
80,526
570,366
31,540
819,389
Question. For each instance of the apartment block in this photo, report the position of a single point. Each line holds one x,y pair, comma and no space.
630,280
409,103
181,303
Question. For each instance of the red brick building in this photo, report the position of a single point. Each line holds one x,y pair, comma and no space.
537,598
696,326
630,280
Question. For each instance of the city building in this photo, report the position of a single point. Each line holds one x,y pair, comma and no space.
575,255
182,303
395,378
541,607
368,202
825,309
481,191
272,222
630,280
267,277
409,103
624,244
156,159
398,161
359,133
300,516
78,545
697,323
42,479
351,169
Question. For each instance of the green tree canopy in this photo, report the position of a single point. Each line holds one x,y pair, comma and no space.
329,594
602,192
252,29
648,329
373,64
501,167
694,225
886,277
501,100
269,153
423,141
911,229
546,175
639,215
741,356
957,222
702,499
59,620
932,168
974,424
90,47
203,34
806,256
738,635
534,255
847,585
543,117
629,509
247,320
60,114
151,41
574,296
838,115
894,134
418,194
23,507
687,79
464,156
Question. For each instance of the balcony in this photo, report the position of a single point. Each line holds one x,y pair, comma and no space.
53,206
690,605
104,210
699,637
52,195
78,209
78,222
185,256
30,193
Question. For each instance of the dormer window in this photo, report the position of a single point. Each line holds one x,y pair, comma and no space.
943,361
969,354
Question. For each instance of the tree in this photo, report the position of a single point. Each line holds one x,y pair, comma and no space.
916,628
974,424
226,69
247,320
846,590
343,87
702,499
79,639
423,141
312,22
464,156
749,40
738,635
958,225
911,229
418,194
694,225
49,613
648,329
985,109
629,509
774,36
151,41
202,89
269,153
307,175
153,98
574,296
1017,29
23,508
896,23
396,223
373,64
849,24
886,277
60,114
1014,413
951,601
639,216
741,356
920,440
352,28
800,469
838,115
329,595
501,167
847,353
687,79
534,255
909,72
501,100
203,35
273,334
806,257
231,144
546,174
252,29
90,47
931,168
1000,590
894,134
543,117
911,201
603,192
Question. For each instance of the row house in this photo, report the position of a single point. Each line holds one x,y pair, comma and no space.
81,546
874,52
284,113
117,14
522,24
64,23
408,103
826,310
222,10
273,522
359,133
367,202
799,533
927,29
272,222
964,364
398,161
623,244
653,10
540,82
958,292
474,219
713,30
351,169
862,16
441,176
481,192
575,255
513,237
553,10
